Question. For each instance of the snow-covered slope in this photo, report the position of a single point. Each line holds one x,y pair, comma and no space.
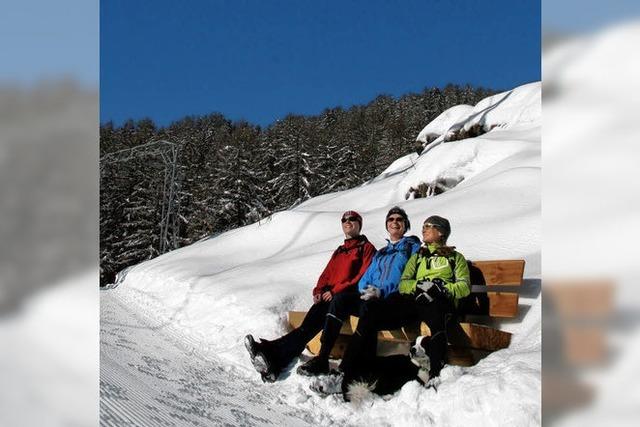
244,281
519,106
443,122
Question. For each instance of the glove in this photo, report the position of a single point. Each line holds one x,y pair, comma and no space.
422,291
423,285
429,290
370,292
439,290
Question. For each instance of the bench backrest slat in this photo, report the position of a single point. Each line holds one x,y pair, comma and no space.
499,273
505,272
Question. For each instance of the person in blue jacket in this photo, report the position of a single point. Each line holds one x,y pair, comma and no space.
380,280
383,275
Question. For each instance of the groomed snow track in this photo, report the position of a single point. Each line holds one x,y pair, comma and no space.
149,378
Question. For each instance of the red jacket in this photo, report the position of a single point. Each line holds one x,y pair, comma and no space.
346,266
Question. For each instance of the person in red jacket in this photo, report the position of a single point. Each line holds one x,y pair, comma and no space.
345,268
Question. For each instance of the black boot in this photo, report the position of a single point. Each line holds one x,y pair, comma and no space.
317,366
252,346
262,359
268,370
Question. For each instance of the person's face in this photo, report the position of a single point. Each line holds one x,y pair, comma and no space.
395,225
350,226
430,234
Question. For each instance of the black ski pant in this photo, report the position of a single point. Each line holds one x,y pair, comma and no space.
323,316
343,305
394,312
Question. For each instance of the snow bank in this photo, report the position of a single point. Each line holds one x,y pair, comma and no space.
244,281
457,161
441,124
518,106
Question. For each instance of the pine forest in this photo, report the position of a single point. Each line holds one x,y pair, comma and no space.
162,188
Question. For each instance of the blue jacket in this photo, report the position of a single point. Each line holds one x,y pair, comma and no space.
387,265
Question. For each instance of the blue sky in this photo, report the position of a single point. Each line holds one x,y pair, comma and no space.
259,60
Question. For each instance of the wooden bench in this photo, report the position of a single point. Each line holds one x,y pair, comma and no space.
494,294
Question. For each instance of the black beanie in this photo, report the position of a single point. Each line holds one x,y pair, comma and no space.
399,211
442,224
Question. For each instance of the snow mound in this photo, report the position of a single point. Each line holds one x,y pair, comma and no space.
443,122
514,118
244,281
457,161
521,105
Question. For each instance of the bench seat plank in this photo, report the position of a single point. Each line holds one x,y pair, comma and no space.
470,335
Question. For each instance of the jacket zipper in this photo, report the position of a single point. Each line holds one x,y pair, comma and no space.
383,276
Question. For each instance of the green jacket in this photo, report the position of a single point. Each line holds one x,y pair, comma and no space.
437,265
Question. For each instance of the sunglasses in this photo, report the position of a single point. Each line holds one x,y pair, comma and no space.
349,218
395,218
428,225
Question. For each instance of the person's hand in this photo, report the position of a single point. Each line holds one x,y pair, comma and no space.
327,296
422,291
438,291
424,286
317,298
428,290
370,292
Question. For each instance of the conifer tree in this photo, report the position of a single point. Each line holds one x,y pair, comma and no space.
291,184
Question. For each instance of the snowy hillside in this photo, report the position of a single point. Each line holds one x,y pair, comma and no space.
214,292
441,124
520,106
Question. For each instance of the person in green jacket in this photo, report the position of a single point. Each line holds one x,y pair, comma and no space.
433,281
436,263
